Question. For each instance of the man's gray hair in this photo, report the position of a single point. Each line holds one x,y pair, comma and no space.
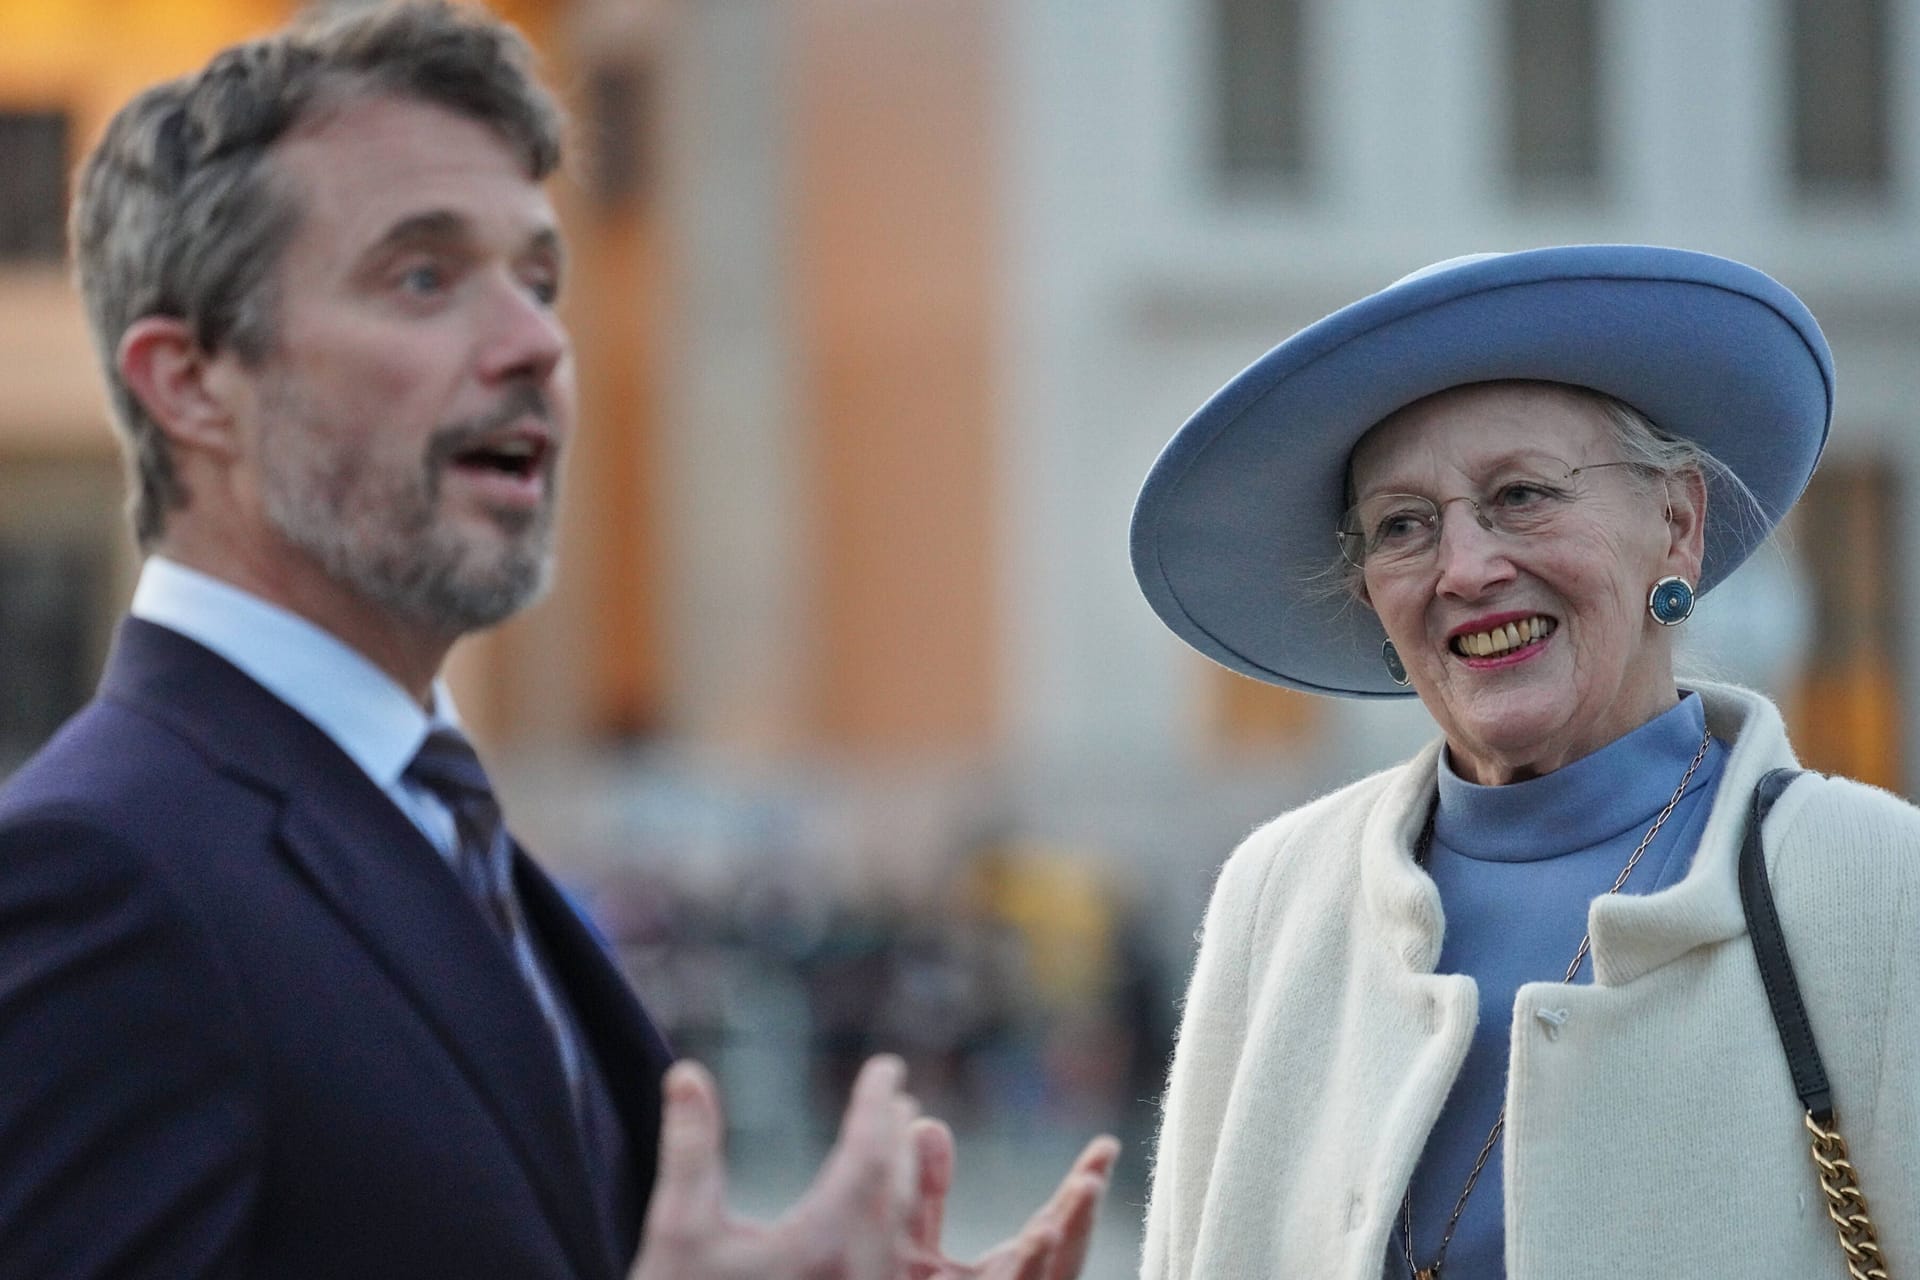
178,212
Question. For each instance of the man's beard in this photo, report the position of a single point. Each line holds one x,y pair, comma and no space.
381,533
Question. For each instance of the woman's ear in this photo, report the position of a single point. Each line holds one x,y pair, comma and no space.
1686,523
171,376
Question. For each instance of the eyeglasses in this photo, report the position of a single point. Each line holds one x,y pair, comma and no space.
1396,531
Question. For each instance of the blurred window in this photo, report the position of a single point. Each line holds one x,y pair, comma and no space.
1847,716
1259,46
620,97
49,599
1841,95
61,574
33,156
1553,99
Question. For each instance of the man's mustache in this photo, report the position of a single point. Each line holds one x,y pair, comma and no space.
524,401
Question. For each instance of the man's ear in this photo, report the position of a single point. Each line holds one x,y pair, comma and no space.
172,377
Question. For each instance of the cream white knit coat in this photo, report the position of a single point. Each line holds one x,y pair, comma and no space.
1652,1128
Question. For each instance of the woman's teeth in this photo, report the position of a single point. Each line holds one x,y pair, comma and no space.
1498,640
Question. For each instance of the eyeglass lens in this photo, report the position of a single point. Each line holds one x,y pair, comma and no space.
1389,529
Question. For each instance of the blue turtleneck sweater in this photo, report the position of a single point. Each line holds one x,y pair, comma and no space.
1517,867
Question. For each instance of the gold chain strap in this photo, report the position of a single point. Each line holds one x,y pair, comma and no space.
1846,1203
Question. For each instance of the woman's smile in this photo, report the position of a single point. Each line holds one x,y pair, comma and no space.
1501,640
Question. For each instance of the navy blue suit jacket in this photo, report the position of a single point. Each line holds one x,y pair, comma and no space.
251,1025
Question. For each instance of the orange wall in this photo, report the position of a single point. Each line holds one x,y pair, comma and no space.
893,263
92,55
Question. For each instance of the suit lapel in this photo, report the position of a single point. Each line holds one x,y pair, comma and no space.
393,892
631,1053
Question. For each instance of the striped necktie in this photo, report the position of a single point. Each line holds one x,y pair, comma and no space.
483,858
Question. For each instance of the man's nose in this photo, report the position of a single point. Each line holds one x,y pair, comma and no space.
525,339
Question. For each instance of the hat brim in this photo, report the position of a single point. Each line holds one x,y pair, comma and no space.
1233,532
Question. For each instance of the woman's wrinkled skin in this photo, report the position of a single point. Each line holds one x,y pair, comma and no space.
1605,667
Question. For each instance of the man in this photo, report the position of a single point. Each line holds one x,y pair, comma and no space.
278,995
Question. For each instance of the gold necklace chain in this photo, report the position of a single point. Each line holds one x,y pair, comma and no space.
1421,852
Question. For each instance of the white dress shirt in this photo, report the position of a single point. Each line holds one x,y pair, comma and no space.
366,713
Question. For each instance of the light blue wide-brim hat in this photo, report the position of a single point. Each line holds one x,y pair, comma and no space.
1233,532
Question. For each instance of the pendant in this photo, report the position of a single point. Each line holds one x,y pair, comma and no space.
1427,1273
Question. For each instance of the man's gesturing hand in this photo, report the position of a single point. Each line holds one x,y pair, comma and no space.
1052,1245
851,1224
874,1211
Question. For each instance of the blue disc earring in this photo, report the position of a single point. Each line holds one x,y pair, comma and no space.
1671,601
1396,669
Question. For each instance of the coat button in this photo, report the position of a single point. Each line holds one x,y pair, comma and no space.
1551,1020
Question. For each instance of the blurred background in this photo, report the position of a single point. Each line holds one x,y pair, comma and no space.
845,714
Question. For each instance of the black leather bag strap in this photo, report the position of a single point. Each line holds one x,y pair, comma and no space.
1776,969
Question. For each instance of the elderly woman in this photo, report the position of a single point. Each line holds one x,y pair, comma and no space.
1496,1011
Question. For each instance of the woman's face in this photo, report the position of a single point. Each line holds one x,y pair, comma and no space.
1590,664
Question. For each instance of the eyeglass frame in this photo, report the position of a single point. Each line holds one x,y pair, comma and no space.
1342,534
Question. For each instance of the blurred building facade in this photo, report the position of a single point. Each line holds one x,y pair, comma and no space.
883,309
1196,181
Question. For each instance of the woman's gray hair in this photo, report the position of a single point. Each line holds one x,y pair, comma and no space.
1655,453
178,211
1651,450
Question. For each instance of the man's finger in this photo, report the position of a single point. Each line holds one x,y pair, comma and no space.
1095,1161
690,1191
1072,1224
1040,1265
1098,1156
855,1214
933,1148
1028,1256
872,1148
1070,1212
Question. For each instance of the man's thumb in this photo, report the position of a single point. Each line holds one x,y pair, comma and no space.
690,1191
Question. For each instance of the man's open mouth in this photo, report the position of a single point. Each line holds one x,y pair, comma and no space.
518,456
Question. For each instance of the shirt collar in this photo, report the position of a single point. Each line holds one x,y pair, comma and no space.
366,713
1595,798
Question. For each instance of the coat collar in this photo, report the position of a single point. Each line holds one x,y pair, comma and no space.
393,892
1633,934
1399,895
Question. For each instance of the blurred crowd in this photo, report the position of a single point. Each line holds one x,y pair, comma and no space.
1021,991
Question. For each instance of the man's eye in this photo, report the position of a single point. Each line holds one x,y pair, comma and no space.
547,292
423,278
